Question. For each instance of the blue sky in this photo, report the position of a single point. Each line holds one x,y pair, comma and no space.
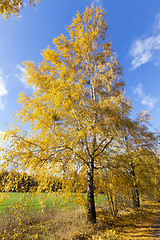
134,29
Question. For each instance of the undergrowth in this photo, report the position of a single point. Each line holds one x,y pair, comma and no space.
53,224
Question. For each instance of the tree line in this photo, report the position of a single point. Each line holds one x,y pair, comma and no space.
14,181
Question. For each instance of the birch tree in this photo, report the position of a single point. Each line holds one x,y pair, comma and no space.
139,158
77,109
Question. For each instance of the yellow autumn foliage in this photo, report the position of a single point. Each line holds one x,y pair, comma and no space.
8,7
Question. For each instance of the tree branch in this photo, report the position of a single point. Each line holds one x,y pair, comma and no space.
101,143
103,148
77,154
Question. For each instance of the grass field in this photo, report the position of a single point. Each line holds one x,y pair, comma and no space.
54,224
36,201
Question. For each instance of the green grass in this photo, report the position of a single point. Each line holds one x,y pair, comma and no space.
54,199
71,224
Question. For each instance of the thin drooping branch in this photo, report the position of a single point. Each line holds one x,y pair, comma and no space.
103,148
78,155
101,144
27,141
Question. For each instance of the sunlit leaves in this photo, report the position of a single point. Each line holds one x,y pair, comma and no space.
8,7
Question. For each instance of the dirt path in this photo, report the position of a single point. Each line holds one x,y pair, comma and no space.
156,228
145,228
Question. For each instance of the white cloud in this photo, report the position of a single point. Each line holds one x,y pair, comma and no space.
147,49
21,75
148,100
3,89
22,69
96,3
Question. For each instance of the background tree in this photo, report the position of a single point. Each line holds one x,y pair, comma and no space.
76,111
13,181
8,7
131,167
139,158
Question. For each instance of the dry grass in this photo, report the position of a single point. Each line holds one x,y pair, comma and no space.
56,225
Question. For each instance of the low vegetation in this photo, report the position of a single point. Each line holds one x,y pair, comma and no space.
51,223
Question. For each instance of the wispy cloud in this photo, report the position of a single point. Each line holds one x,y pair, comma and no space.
96,3
3,89
145,99
21,74
147,49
